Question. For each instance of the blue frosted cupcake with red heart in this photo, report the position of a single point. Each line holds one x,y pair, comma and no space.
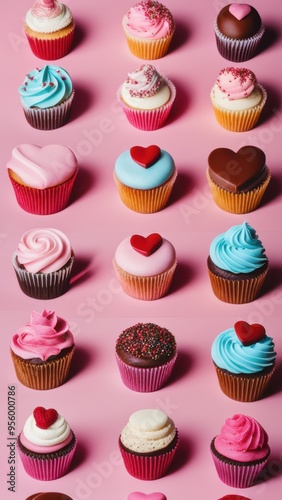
145,177
244,358
145,266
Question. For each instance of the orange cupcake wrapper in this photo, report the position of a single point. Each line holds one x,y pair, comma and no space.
147,49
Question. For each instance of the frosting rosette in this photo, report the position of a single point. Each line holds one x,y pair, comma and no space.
48,16
149,19
143,82
238,250
46,87
236,83
44,336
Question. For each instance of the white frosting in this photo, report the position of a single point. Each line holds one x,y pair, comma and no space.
220,99
49,24
156,101
54,435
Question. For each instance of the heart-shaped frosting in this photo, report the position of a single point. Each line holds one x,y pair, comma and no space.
44,418
239,10
145,156
136,495
146,245
249,334
237,171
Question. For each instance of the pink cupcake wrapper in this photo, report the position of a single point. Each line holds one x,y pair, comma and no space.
238,476
237,50
43,201
51,49
49,118
145,379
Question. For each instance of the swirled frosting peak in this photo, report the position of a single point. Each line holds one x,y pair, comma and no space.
149,19
48,16
242,438
236,83
43,250
45,87
45,335
143,82
228,353
238,250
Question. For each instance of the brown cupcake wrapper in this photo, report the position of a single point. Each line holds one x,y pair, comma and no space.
51,49
49,118
146,201
237,50
238,203
145,287
243,388
43,376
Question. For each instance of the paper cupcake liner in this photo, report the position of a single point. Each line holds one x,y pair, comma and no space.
147,467
148,119
238,203
237,291
147,49
145,379
145,287
49,118
238,475
239,120
146,201
237,50
51,49
43,286
43,201
243,388
47,375
47,469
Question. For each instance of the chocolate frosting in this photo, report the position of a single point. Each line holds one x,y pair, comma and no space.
231,27
49,496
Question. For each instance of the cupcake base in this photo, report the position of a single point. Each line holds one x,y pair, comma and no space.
237,50
51,46
49,118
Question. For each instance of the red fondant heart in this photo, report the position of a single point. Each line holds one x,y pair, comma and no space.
236,171
44,418
249,334
145,156
146,246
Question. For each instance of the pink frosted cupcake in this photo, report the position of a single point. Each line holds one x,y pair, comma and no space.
145,354
46,444
148,444
42,178
146,98
49,28
240,451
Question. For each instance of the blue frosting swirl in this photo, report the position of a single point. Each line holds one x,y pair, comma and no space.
46,87
228,353
238,250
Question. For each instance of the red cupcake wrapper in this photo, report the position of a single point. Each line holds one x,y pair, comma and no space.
43,201
51,49
237,50
49,118
145,379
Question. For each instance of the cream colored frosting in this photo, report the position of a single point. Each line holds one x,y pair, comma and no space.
145,88
48,16
55,434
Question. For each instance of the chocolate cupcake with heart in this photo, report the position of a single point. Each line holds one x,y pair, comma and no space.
238,180
244,358
145,177
145,266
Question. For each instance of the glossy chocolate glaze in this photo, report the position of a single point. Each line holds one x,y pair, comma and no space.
231,27
49,496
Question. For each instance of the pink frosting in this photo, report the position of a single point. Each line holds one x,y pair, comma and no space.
46,8
43,250
149,19
45,335
44,449
236,83
242,438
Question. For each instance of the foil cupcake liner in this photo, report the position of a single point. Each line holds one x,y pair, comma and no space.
237,50
145,379
43,286
146,201
145,287
148,119
43,201
238,203
51,49
147,49
49,118
43,376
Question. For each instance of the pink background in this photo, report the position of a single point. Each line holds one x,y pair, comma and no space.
94,400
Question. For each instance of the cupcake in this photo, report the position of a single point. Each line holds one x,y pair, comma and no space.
42,351
46,97
234,497
145,354
240,451
49,496
237,99
237,265
238,32
145,178
42,178
146,98
238,180
148,27
43,263
46,444
145,266
148,443
137,495
49,28
244,359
